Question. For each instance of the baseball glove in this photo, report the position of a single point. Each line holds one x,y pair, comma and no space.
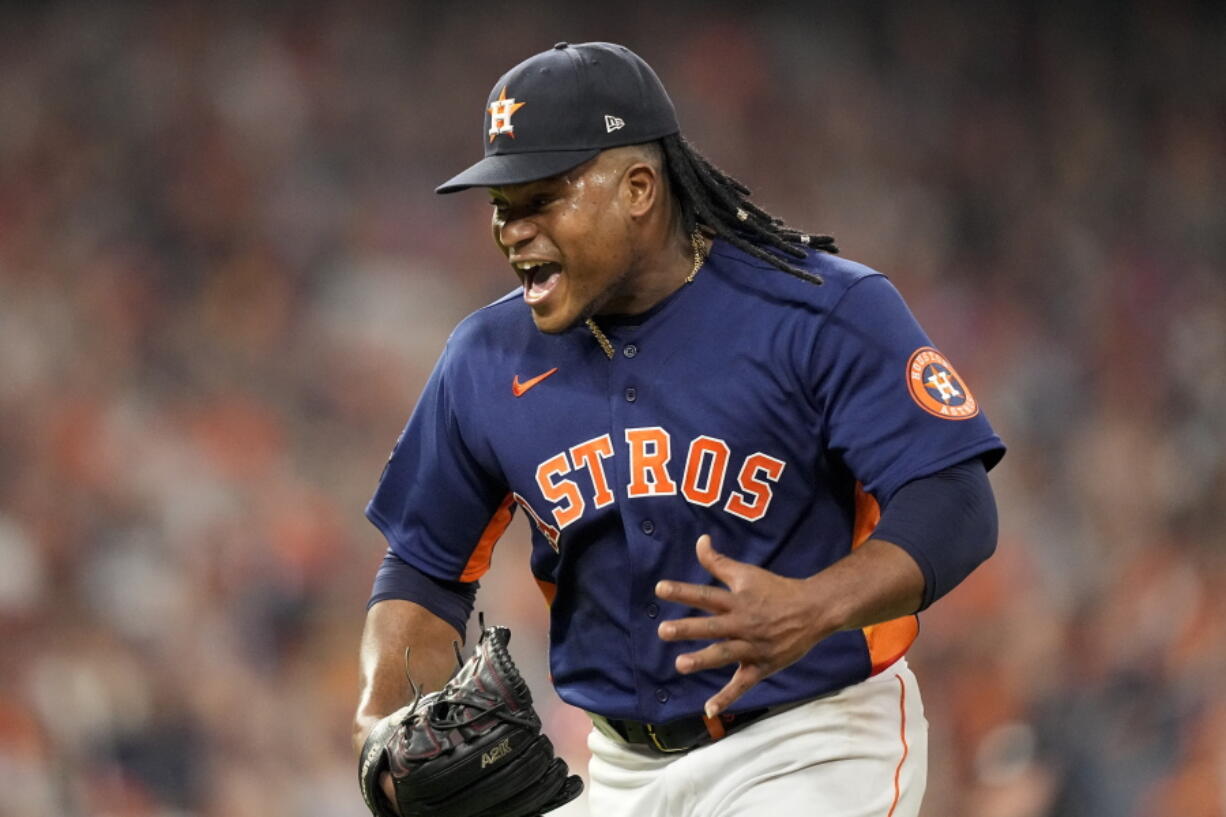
473,749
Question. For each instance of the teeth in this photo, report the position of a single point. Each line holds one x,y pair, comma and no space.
525,266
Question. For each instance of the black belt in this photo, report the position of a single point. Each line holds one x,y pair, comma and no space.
682,734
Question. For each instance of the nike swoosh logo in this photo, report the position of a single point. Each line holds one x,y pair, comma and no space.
520,389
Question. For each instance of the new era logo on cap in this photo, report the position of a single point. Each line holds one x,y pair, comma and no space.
612,123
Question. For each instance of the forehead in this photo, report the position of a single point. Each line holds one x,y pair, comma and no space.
596,172
516,191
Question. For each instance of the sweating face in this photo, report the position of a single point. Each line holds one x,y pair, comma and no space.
570,241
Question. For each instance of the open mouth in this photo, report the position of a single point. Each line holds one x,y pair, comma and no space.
540,279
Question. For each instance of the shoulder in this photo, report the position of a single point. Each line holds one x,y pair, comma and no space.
480,343
499,339
749,275
492,327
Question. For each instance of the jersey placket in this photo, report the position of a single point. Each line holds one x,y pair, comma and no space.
631,399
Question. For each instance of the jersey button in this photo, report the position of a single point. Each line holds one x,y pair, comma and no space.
662,695
630,350
648,526
632,394
653,609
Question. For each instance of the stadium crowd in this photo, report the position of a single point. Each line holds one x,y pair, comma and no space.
224,278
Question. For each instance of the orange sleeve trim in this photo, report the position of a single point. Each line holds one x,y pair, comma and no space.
902,731
548,589
889,640
479,561
868,516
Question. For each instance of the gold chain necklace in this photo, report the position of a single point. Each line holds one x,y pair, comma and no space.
601,338
700,256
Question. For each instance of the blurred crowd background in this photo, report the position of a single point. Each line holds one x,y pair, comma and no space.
224,278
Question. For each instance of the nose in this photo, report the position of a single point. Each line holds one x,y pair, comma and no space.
516,232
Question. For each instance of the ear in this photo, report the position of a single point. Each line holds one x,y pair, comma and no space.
641,188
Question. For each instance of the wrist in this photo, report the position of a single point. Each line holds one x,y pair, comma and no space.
366,719
877,582
827,611
362,724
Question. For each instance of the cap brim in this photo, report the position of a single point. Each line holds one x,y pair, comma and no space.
516,168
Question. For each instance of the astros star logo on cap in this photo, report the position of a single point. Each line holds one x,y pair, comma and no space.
500,115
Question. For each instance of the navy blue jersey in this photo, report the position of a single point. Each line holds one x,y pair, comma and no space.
771,413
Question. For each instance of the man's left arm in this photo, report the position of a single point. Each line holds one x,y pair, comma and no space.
933,532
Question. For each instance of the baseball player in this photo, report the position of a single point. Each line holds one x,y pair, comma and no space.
745,466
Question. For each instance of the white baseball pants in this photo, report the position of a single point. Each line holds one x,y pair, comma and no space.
860,753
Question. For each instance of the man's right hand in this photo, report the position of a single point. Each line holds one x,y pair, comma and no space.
391,627
389,790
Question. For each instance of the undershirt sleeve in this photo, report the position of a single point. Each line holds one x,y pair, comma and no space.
946,522
451,601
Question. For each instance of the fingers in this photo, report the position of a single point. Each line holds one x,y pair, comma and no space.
741,682
702,596
719,654
389,791
716,563
706,628
706,597
735,628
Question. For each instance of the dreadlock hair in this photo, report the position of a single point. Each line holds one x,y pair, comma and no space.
713,201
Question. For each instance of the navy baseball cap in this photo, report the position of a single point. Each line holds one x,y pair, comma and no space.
558,109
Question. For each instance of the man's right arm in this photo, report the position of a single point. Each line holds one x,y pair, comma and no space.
391,627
